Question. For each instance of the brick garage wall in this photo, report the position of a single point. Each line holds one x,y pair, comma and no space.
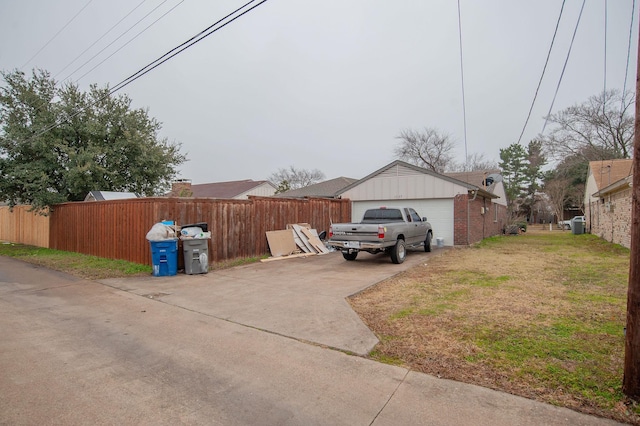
612,223
460,208
476,219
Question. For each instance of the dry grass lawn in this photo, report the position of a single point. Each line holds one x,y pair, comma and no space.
539,315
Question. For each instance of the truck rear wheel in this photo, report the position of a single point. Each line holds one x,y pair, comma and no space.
398,252
350,256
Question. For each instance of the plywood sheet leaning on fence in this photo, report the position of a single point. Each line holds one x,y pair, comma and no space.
281,243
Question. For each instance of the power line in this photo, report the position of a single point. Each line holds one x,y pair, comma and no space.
154,64
546,120
56,34
185,45
130,40
546,62
464,107
117,38
604,80
100,38
626,70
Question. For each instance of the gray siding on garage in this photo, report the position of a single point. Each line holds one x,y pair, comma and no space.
404,183
439,213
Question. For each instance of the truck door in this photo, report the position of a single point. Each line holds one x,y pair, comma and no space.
418,232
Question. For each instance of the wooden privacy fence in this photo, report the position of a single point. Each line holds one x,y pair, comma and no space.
117,229
19,225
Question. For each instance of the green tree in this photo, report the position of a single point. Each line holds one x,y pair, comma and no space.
522,174
513,166
59,143
283,186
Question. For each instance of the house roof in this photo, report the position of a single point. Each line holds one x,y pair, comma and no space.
619,185
607,172
328,188
108,195
400,163
476,177
228,189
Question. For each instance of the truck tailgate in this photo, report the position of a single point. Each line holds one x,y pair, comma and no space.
355,231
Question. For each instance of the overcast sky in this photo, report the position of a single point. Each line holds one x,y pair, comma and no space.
327,84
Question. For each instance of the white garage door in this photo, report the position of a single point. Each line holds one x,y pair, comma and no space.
439,213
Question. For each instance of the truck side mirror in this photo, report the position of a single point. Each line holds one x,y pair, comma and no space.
424,219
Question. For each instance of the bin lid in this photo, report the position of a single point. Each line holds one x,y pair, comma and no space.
202,225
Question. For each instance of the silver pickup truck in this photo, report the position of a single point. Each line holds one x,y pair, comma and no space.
391,230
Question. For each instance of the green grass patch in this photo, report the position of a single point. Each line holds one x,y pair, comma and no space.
403,313
82,265
93,267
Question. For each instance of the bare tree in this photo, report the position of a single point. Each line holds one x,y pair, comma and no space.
599,129
476,161
427,148
556,190
293,178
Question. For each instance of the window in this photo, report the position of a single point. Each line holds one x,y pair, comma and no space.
415,217
388,215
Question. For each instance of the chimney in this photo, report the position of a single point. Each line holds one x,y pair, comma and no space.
181,188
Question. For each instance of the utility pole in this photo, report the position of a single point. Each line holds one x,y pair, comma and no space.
631,379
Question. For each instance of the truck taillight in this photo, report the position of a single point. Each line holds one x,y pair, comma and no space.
381,232
330,231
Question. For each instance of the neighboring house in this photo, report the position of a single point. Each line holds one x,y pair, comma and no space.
237,189
608,200
108,195
461,213
326,189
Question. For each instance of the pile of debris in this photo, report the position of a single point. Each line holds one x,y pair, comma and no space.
297,240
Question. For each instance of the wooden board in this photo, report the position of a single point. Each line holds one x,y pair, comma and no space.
281,243
303,238
314,241
293,256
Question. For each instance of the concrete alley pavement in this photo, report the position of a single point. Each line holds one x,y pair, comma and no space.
186,350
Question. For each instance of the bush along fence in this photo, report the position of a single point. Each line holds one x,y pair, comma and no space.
117,229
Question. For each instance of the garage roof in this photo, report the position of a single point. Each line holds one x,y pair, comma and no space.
398,165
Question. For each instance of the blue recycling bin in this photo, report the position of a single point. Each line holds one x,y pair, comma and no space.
164,257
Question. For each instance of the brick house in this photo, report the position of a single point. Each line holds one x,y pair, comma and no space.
462,210
608,200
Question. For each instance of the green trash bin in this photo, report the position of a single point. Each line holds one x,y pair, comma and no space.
196,255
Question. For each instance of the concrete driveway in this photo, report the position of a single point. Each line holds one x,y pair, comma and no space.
300,298
226,348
